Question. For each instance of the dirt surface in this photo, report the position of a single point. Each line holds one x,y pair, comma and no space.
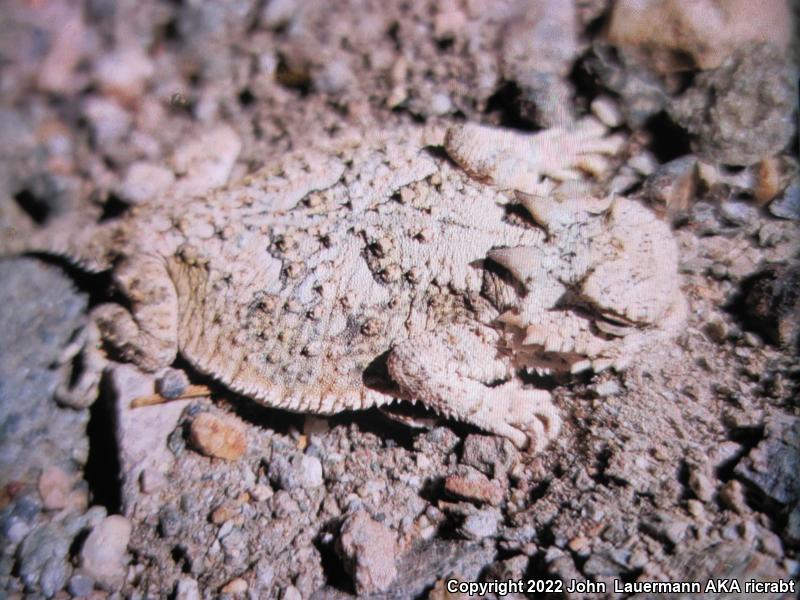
682,468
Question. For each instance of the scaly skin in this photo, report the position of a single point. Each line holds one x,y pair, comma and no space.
291,284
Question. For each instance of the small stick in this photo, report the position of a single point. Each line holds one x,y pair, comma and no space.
192,391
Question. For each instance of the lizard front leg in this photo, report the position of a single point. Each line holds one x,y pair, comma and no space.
454,373
147,335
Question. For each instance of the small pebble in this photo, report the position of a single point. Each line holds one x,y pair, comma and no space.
579,543
151,480
441,104
492,455
310,472
261,492
284,505
471,484
172,384
752,340
701,485
606,388
187,589
644,163
738,212
169,522
54,488
80,585
223,513
481,524
607,111
717,330
235,586
291,593
218,436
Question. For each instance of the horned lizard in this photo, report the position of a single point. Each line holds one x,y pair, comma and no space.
374,267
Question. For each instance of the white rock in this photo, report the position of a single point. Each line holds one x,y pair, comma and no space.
124,72
606,388
441,104
607,110
104,553
310,472
291,593
187,589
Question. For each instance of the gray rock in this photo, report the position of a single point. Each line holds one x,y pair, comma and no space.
773,466
738,212
281,473
511,568
770,304
787,205
80,585
722,561
492,455
704,219
481,524
742,111
40,312
234,545
439,440
42,558
701,484
169,522
299,471
666,527
265,575
792,531
13,529
17,519
672,187
53,576
172,383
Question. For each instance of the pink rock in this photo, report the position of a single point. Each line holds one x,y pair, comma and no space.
54,488
369,550
218,436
